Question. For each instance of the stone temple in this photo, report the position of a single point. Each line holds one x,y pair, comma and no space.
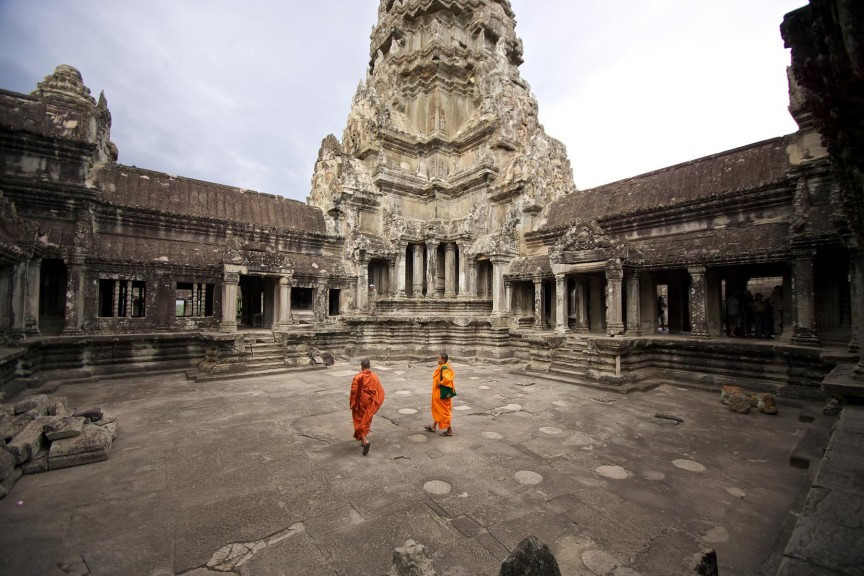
446,219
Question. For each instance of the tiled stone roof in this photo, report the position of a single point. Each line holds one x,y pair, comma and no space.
749,167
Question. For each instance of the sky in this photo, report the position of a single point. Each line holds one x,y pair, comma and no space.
242,93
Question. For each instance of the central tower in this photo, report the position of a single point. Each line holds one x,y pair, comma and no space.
442,152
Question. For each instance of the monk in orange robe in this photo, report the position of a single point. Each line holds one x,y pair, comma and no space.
367,396
442,407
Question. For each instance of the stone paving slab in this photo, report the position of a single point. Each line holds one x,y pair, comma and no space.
269,467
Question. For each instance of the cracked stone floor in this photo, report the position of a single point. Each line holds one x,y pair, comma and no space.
261,477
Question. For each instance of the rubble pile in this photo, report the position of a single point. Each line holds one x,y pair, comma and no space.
39,434
741,402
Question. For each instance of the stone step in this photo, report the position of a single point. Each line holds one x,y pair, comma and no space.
254,373
623,388
810,449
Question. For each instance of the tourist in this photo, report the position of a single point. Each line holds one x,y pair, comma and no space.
661,312
746,309
732,314
775,303
367,396
760,316
443,390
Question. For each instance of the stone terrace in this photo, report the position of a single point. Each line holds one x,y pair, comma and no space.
269,465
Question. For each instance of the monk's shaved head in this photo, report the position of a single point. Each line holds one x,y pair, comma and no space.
364,363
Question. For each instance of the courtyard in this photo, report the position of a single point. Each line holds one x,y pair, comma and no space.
261,477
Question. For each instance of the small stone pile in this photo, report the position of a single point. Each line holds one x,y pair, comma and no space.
741,402
39,434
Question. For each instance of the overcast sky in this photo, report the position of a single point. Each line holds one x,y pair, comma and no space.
242,93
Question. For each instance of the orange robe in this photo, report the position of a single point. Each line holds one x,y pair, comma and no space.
441,409
367,396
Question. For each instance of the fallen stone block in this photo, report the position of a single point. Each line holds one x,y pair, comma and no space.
93,445
411,560
11,426
91,414
7,464
59,427
31,403
531,557
110,426
727,392
7,483
58,407
29,441
739,403
765,403
37,464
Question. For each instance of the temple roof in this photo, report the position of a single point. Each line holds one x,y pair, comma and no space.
527,266
138,188
749,167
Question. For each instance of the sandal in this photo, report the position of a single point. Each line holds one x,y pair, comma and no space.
446,434
366,448
429,428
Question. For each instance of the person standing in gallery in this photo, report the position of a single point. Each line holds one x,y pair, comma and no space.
661,312
367,396
443,391
775,302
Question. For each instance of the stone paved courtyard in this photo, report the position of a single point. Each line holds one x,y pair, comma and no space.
269,466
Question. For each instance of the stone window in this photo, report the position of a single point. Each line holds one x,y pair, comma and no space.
120,298
301,299
193,300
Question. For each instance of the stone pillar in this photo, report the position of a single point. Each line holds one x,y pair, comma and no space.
856,288
31,311
74,317
498,305
614,298
401,270
284,303
431,269
472,279
229,302
539,304
449,270
698,303
19,299
463,272
362,286
127,313
634,312
320,296
561,323
579,309
803,293
417,254
391,278
508,297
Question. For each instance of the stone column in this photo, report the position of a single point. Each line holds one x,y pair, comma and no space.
498,305
580,306
432,269
362,286
31,312
472,279
803,294
614,298
19,299
539,304
229,302
508,297
463,272
391,278
856,287
284,304
417,253
634,312
561,323
449,270
74,317
127,313
320,295
401,270
698,303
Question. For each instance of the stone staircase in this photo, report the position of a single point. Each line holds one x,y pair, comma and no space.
262,356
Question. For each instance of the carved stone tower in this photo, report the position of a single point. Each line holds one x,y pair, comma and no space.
443,165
